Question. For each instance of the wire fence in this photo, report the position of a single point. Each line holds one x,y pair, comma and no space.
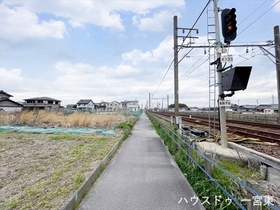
189,150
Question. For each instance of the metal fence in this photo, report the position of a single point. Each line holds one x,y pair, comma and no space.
189,149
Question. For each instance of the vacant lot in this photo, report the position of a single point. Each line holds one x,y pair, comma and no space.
41,171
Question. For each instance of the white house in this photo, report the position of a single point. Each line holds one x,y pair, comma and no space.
8,105
113,106
130,105
85,104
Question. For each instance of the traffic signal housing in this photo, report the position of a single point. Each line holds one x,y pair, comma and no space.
236,78
229,28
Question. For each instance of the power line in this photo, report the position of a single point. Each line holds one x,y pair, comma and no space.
163,77
183,43
259,17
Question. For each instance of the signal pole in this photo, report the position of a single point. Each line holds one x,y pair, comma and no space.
222,109
277,58
176,85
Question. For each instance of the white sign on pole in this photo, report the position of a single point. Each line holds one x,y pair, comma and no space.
224,103
227,59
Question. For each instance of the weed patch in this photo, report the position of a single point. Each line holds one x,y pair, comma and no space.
41,171
204,187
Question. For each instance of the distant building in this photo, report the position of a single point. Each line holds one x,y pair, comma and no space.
271,109
113,106
261,107
246,108
130,105
8,105
85,104
41,103
102,106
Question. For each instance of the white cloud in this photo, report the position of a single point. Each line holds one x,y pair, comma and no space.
155,23
136,56
163,52
10,79
19,23
277,7
95,11
81,75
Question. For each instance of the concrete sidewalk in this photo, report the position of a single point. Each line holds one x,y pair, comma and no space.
142,175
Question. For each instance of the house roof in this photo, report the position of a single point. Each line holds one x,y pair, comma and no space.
262,106
101,103
84,101
11,101
128,101
42,98
248,106
7,94
273,106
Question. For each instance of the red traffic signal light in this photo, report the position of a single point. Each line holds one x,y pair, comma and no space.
229,28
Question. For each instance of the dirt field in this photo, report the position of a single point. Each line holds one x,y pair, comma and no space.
41,171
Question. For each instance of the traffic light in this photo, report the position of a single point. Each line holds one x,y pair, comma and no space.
229,25
236,78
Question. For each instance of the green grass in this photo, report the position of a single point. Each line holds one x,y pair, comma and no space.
202,186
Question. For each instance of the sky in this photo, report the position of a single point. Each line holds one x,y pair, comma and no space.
117,50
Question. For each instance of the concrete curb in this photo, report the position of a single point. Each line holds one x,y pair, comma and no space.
272,161
78,195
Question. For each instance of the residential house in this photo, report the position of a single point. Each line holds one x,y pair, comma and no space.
273,108
85,104
102,106
113,106
41,103
71,106
245,108
8,105
130,105
261,107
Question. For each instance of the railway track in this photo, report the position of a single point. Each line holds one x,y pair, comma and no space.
264,132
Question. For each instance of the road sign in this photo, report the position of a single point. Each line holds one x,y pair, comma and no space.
227,59
224,103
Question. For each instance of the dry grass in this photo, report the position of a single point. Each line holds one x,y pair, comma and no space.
42,171
77,119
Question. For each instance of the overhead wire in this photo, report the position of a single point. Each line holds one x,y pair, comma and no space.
188,73
163,77
259,16
182,44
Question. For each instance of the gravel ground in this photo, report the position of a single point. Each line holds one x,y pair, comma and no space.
273,151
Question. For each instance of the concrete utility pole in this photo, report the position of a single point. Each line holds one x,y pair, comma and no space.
149,101
222,109
176,83
277,58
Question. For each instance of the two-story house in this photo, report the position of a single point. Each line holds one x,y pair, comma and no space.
41,103
85,104
130,105
8,105
102,106
113,106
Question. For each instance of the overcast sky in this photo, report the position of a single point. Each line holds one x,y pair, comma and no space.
116,50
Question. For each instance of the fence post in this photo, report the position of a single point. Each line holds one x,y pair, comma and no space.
207,165
250,204
189,150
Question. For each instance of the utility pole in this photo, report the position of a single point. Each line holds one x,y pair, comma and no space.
167,101
277,58
149,101
176,85
222,109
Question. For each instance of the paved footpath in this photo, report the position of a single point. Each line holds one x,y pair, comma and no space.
141,176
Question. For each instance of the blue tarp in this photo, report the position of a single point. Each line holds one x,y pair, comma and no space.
56,130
